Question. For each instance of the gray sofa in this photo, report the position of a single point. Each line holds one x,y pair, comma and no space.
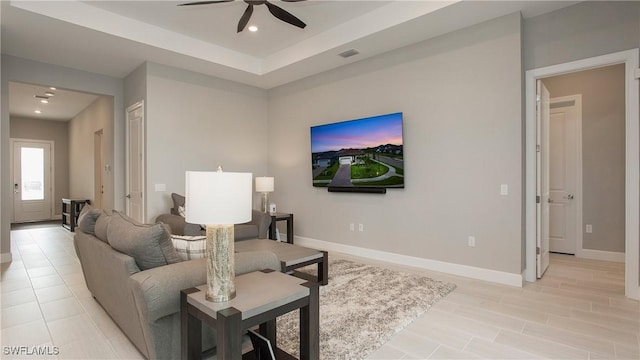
258,227
137,278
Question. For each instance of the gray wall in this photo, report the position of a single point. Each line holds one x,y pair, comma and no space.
197,122
581,31
97,116
29,71
603,151
58,132
461,98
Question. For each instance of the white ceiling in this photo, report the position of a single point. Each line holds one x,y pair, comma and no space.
115,37
63,105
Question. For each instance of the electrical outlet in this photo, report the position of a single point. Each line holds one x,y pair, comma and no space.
472,241
360,227
352,226
589,229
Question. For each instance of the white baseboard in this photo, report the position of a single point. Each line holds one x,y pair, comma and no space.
494,276
601,255
5,258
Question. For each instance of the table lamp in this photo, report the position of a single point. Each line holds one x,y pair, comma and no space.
264,185
219,200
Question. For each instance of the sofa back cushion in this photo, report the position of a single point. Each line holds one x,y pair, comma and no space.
102,224
149,245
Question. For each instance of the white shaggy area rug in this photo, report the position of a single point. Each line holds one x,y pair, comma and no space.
361,308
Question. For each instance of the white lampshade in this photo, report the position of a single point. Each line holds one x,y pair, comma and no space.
264,184
217,198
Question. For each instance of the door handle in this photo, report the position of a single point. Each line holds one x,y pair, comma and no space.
128,196
569,197
16,188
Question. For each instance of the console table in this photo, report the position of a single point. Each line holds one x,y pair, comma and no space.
260,297
70,210
275,217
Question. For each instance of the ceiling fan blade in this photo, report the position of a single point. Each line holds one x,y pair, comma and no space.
205,2
245,18
284,15
292,0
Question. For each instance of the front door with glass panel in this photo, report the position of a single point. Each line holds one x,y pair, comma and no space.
31,168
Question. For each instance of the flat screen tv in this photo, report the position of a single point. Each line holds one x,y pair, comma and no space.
359,154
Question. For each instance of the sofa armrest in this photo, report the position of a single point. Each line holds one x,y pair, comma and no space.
262,221
157,291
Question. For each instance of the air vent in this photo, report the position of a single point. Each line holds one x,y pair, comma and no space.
349,53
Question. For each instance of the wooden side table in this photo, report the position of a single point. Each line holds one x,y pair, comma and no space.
275,217
260,297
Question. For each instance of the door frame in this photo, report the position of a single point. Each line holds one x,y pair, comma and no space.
52,189
577,98
632,159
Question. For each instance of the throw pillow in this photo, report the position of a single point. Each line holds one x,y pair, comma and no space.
149,245
87,219
190,247
178,200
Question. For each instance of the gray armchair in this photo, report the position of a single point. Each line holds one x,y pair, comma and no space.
258,227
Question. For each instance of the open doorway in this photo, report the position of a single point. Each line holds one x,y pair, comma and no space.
587,163
628,60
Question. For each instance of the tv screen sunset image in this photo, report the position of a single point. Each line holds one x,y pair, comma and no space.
364,152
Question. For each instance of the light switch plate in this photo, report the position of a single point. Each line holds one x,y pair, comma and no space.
161,187
504,189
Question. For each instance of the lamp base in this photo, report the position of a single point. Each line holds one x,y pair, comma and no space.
265,202
220,263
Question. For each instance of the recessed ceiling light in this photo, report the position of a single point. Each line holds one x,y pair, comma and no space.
38,112
49,93
349,53
253,28
44,101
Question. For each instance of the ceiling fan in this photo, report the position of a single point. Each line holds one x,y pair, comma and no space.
275,10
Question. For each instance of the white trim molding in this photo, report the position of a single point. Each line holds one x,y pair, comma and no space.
601,255
632,159
494,276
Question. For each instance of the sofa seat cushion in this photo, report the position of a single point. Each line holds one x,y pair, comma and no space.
149,245
190,247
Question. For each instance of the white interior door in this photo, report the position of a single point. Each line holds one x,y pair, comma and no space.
32,180
135,162
98,169
542,184
564,174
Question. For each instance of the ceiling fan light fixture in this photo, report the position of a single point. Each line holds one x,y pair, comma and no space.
253,28
44,101
38,112
49,93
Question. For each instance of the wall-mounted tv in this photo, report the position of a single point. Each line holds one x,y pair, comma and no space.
359,154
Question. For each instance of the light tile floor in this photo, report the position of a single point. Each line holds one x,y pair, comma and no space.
577,310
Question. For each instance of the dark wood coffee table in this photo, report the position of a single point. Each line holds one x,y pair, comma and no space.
291,257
